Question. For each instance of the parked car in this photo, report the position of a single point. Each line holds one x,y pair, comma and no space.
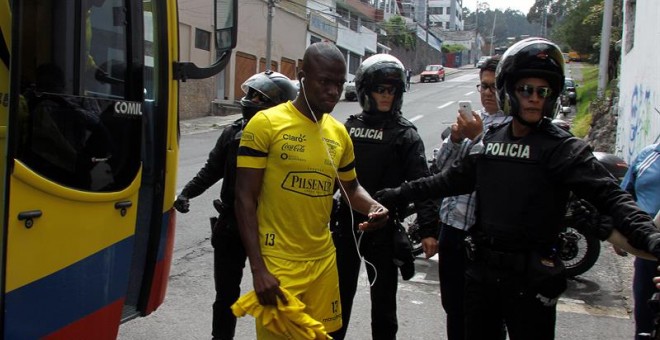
350,93
482,61
432,73
570,90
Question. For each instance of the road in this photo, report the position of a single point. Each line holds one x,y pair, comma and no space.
595,306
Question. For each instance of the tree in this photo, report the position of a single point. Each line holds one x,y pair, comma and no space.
556,10
452,48
397,33
510,23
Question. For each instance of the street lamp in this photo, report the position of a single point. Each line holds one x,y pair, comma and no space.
483,6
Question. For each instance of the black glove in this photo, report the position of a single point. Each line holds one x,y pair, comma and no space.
182,204
589,221
390,198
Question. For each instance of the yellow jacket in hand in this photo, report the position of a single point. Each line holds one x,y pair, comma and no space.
288,320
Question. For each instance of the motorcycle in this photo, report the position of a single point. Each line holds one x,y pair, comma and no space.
577,250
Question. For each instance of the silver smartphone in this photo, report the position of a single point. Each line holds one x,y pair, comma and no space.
465,109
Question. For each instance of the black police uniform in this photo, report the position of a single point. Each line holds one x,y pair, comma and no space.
388,151
229,255
522,186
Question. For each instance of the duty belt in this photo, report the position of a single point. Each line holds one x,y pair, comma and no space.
508,260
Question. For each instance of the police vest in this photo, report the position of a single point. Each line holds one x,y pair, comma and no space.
519,205
378,148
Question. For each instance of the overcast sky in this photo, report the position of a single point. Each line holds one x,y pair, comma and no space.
521,5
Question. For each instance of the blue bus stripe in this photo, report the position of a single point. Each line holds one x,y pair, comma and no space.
48,304
162,241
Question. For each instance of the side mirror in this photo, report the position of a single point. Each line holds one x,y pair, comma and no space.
225,20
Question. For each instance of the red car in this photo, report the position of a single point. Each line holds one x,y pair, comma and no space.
432,73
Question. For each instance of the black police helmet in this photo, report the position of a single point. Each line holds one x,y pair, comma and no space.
273,87
531,57
375,70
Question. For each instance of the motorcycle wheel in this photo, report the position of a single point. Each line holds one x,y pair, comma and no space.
412,229
579,252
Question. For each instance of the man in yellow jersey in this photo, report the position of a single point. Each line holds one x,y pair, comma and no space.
290,158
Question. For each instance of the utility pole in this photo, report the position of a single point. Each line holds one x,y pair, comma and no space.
492,35
484,6
428,21
606,31
476,32
269,32
544,19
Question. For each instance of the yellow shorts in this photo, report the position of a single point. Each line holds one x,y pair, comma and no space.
315,283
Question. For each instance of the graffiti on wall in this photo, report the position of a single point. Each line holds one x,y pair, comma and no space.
639,124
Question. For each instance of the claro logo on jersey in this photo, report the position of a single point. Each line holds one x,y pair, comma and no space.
299,138
128,108
308,183
366,133
508,150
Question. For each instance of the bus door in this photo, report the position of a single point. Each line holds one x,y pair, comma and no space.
5,48
74,166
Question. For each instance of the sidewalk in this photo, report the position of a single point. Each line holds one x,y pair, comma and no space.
206,124
210,123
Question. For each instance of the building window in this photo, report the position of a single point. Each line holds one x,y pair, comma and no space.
440,10
202,39
631,8
353,62
447,25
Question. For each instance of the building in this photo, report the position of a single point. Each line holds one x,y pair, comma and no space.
353,25
446,14
639,87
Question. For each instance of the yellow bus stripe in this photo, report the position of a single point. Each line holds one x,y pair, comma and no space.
73,226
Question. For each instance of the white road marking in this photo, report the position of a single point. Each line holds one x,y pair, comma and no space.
469,93
445,105
566,305
464,78
416,118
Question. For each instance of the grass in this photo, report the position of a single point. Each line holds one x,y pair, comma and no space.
586,93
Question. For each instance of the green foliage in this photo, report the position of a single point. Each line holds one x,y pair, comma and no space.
580,26
397,34
556,10
586,93
452,48
508,23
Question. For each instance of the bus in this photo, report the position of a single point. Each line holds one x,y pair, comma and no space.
88,159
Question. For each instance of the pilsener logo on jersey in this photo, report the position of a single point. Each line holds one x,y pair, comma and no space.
308,183
509,150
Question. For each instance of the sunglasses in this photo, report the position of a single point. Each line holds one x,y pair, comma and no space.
254,94
382,89
486,87
528,90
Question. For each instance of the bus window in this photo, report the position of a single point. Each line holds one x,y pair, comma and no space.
79,130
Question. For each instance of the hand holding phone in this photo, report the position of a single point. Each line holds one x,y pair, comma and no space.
465,109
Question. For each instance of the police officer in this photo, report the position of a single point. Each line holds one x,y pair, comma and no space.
514,273
262,90
388,151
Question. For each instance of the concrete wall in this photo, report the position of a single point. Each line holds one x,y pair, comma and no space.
639,85
195,95
416,59
289,35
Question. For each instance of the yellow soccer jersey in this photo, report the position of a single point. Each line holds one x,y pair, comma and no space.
296,195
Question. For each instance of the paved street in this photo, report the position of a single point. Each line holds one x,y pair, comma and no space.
595,306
